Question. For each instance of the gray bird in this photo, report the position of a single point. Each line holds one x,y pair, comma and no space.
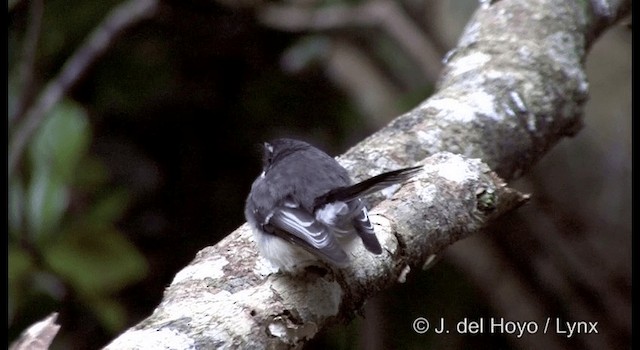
304,207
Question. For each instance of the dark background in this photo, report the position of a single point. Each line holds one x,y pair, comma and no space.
176,110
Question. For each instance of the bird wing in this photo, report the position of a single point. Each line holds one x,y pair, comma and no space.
343,218
296,225
365,231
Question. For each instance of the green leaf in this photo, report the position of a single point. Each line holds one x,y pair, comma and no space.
109,208
61,141
96,261
47,200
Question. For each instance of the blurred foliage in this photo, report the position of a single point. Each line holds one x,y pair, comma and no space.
58,247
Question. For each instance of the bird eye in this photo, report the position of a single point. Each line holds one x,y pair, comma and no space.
268,154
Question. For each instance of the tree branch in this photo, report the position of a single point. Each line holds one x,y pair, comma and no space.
512,88
38,336
27,62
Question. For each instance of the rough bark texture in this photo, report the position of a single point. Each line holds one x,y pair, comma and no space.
39,335
511,89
